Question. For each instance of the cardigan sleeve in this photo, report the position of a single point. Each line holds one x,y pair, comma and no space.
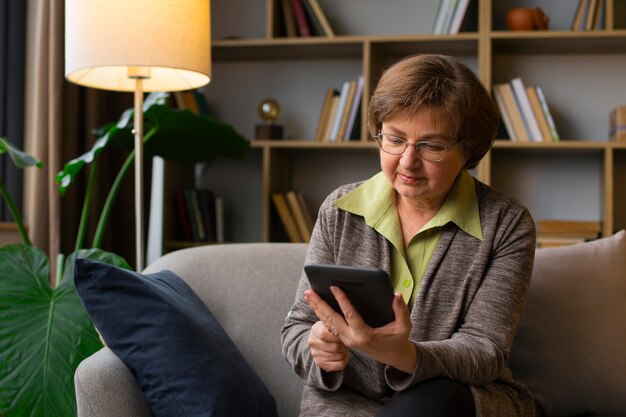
359,373
477,352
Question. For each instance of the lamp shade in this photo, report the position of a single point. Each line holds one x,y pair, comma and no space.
168,41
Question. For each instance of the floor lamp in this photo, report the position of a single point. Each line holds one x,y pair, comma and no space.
138,46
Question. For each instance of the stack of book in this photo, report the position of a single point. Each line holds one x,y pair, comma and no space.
552,233
200,215
294,215
587,15
340,112
525,112
303,18
449,17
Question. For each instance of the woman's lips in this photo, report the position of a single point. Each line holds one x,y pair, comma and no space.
408,179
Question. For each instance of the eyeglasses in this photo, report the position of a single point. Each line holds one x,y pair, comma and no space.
430,151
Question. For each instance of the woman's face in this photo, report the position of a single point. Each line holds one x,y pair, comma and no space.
422,182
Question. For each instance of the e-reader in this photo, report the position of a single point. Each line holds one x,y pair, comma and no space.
368,289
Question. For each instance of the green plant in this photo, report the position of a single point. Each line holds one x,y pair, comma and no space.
44,330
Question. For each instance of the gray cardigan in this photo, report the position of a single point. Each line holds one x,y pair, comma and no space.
464,317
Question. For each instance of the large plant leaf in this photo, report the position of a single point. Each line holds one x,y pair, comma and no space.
19,158
174,135
44,333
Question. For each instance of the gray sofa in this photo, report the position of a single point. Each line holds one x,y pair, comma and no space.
570,347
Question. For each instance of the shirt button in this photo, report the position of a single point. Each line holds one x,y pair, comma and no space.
406,283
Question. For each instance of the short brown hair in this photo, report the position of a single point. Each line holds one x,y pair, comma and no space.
439,82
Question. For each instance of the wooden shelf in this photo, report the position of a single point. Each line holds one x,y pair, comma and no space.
581,72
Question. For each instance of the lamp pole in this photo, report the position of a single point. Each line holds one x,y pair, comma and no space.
138,74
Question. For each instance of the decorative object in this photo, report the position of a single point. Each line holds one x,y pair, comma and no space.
138,46
269,110
527,18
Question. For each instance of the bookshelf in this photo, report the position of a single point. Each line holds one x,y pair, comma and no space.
580,177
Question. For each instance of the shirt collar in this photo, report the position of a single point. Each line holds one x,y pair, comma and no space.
374,198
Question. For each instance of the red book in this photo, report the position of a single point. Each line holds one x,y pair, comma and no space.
301,23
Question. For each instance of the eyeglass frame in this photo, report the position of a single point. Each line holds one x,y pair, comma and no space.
417,145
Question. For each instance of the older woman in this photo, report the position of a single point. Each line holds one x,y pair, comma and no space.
459,255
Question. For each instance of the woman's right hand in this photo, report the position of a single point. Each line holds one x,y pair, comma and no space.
329,353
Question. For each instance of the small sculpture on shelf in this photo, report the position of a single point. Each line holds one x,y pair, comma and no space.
269,110
527,18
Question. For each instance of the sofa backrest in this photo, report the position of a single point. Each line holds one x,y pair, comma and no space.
249,288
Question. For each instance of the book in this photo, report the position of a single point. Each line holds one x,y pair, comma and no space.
302,24
197,213
617,122
442,11
504,113
591,19
318,16
532,127
546,135
286,217
297,211
587,229
459,15
513,111
289,19
448,17
332,114
546,111
355,110
577,22
339,111
557,241
345,114
325,113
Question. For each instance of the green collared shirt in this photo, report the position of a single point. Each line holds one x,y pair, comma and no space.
374,200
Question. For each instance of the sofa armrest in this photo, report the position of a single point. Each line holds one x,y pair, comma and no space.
105,387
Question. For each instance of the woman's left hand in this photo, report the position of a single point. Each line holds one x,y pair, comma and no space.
388,344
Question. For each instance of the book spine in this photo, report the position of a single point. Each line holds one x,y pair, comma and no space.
546,111
440,17
301,22
345,115
321,18
534,134
514,112
459,14
546,136
289,19
356,108
324,114
504,113
343,99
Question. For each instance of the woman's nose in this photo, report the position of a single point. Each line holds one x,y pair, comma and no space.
410,157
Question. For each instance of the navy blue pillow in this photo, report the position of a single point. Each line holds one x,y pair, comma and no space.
185,363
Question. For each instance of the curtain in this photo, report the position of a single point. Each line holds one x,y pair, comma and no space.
12,50
59,117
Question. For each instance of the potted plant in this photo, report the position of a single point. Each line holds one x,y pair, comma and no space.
44,330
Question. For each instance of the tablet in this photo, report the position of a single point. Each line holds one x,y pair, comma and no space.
368,289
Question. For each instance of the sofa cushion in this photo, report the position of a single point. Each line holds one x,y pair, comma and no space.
185,363
570,347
